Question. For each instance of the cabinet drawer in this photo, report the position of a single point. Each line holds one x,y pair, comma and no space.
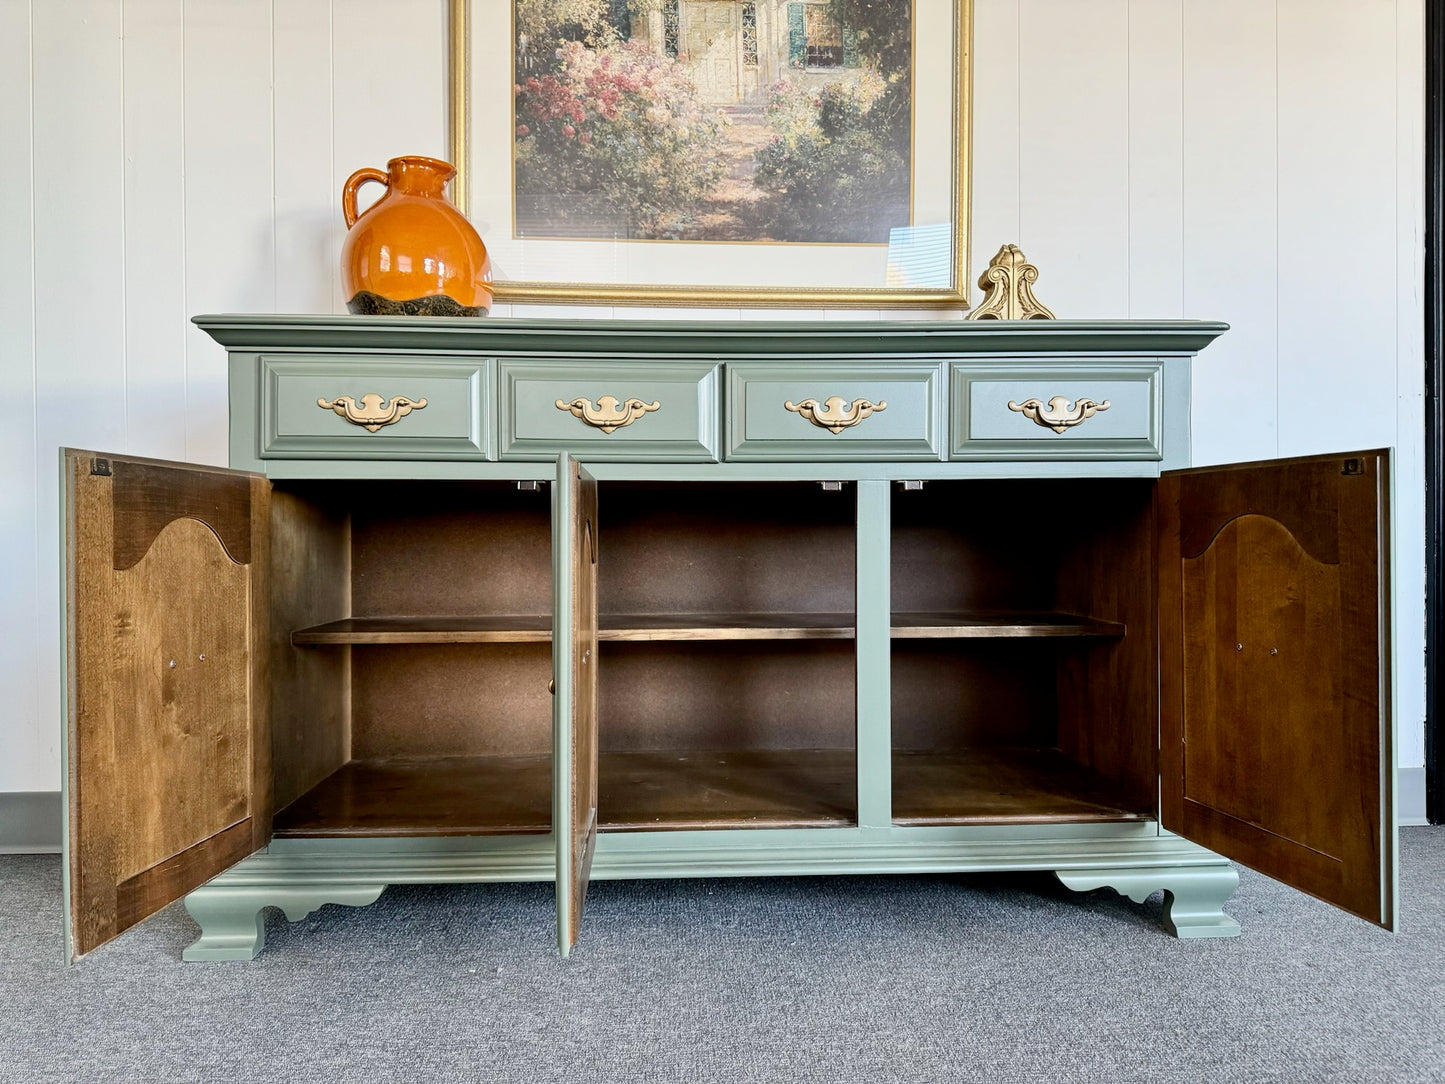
609,410
985,426
373,408
851,410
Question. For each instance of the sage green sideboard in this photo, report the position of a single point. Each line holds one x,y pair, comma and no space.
567,601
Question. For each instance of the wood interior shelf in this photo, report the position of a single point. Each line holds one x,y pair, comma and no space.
1000,786
485,795
614,627
998,626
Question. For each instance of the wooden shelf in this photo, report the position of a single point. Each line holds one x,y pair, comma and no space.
487,795
963,625
755,788
614,627
1000,786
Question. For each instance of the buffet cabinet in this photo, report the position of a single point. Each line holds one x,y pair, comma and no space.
507,600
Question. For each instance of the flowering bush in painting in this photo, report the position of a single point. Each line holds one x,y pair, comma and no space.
615,134
835,161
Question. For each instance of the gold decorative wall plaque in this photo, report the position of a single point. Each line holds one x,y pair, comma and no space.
371,414
1009,284
835,415
1058,415
609,414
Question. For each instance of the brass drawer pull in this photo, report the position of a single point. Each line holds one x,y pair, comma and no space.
835,415
608,414
1058,416
371,415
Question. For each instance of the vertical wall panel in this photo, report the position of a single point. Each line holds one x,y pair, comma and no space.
1156,159
307,210
1231,255
80,380
995,220
1336,226
1409,351
390,90
155,234
26,763
230,228
1074,152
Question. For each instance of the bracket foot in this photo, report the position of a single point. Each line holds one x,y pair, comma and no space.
1194,896
231,920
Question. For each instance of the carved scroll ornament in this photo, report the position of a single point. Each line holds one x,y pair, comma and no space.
835,415
1008,284
373,412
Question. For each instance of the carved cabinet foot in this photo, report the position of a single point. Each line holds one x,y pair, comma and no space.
231,920
1194,896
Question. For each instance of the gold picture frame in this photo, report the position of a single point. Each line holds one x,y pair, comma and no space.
950,180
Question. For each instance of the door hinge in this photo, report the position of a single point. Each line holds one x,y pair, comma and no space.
100,466
1353,466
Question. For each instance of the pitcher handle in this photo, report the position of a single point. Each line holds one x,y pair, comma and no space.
353,184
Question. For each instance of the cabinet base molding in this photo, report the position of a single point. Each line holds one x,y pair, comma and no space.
232,920
1194,896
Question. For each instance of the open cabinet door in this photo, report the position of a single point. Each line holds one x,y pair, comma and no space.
574,673
167,746
1275,728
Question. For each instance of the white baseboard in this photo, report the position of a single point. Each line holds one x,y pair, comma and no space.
30,822
1410,796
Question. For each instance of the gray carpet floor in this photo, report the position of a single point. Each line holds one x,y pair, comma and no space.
928,978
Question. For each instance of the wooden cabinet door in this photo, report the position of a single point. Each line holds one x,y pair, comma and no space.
574,673
1276,743
167,747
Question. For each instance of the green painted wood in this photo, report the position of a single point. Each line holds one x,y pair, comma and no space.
714,339
873,603
983,427
233,926
454,424
683,428
760,427
1194,896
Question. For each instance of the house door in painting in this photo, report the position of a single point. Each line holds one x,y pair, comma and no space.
711,33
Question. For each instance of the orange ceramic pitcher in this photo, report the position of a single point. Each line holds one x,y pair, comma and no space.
412,253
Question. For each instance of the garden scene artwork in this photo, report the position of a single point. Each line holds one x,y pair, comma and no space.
713,120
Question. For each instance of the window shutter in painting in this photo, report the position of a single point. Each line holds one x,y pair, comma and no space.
797,36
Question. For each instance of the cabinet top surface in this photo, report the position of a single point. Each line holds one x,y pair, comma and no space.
711,337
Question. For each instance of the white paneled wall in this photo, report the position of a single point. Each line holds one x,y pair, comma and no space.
1256,161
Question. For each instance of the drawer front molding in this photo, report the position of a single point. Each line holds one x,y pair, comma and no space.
609,410
1061,410
318,407
858,410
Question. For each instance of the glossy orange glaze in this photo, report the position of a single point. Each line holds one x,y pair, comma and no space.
412,242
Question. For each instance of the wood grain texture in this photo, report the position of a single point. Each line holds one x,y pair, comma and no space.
956,694
168,732
1002,786
148,496
309,691
1275,715
582,756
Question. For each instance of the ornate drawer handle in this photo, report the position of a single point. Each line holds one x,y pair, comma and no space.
371,415
836,415
608,414
1057,415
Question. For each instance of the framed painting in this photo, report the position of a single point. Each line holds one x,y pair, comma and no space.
717,152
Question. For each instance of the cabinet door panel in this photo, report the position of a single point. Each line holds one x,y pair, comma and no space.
1276,746
168,754
574,710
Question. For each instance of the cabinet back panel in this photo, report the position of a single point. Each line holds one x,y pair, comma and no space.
955,695
310,689
733,548
418,700
795,694
450,549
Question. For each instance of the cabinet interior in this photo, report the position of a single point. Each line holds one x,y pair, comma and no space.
411,647
1024,673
